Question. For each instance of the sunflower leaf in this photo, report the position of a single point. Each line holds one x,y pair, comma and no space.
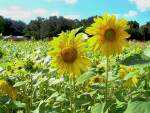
130,75
138,107
97,108
18,84
136,59
147,51
85,76
78,29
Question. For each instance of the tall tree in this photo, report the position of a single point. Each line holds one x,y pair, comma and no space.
18,27
143,31
7,29
2,24
134,30
33,28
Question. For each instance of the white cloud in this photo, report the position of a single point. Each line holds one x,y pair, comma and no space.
54,13
15,14
72,16
49,0
71,1
15,7
40,11
117,15
131,13
142,5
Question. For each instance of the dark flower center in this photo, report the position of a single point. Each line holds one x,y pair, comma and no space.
110,34
68,54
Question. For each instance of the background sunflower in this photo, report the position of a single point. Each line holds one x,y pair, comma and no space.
108,35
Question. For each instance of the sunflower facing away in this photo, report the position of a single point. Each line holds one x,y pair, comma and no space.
68,54
8,89
108,35
131,81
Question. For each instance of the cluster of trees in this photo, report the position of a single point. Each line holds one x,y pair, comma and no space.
11,27
42,28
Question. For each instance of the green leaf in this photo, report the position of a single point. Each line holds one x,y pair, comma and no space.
107,105
1,35
130,75
77,29
42,108
97,108
6,37
54,95
5,99
16,104
56,81
18,84
119,96
147,51
45,70
138,107
136,59
85,76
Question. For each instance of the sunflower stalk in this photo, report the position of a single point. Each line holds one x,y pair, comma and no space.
70,80
74,82
147,84
31,90
106,88
25,96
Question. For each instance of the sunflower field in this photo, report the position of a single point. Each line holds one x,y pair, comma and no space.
70,74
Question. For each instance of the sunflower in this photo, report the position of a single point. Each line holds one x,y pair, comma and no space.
131,81
97,79
8,89
108,35
101,69
68,54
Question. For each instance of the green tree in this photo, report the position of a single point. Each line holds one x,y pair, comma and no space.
18,27
2,24
143,31
49,27
34,27
134,30
7,29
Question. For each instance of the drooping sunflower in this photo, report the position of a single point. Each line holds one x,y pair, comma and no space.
8,89
68,54
131,81
108,35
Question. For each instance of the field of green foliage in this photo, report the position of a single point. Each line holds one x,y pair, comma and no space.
28,82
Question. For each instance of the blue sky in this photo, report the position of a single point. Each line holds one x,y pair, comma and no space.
26,10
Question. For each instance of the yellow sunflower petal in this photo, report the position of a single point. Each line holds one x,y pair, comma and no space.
108,35
67,54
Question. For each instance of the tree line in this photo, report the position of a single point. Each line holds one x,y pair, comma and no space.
42,28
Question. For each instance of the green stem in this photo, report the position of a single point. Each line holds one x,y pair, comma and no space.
25,96
7,110
112,91
74,93
71,96
147,83
42,88
81,108
106,89
31,90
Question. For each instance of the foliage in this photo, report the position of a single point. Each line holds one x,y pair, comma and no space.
13,27
42,28
27,67
2,24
